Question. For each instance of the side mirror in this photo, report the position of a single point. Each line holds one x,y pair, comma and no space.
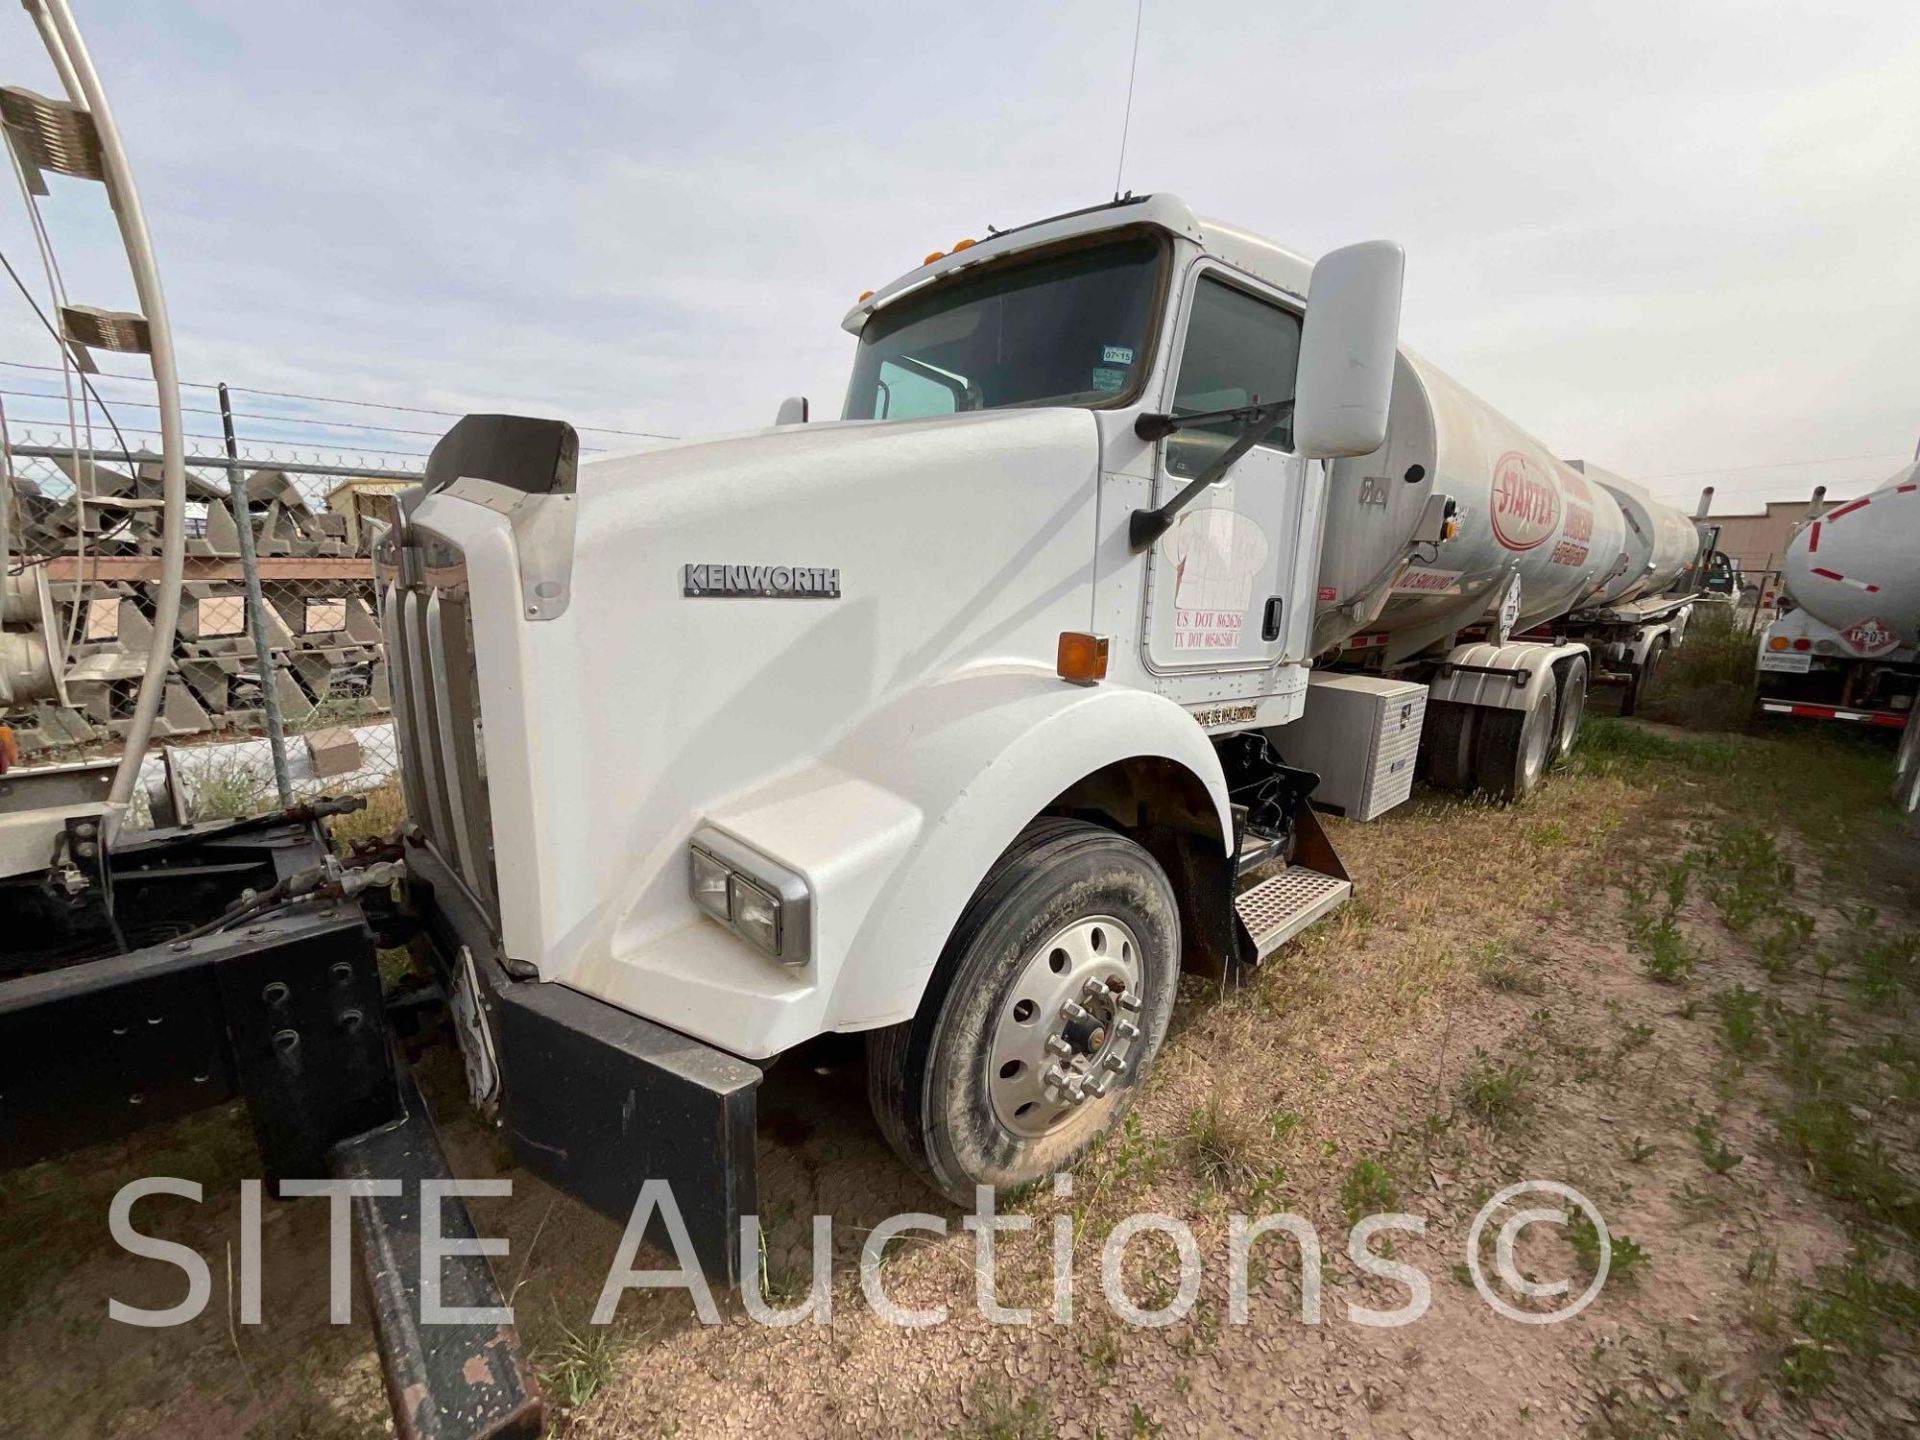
1347,350
793,411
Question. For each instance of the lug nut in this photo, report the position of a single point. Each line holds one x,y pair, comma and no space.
1094,986
1057,1077
1074,1010
1127,1000
1126,1030
1059,1046
1114,1063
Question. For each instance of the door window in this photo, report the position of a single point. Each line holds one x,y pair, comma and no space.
1240,350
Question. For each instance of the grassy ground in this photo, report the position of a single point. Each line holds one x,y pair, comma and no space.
1681,978
1706,683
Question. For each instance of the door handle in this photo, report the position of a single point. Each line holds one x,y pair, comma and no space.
1270,622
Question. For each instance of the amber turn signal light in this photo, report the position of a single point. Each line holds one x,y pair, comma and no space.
1082,658
1777,642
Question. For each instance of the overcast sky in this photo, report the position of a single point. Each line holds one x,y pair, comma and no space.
1670,236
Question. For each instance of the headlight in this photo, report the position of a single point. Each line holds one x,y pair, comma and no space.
756,914
710,886
761,902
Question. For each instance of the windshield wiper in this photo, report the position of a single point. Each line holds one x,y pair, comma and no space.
1258,421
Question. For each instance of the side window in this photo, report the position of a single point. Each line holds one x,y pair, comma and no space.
908,394
1240,350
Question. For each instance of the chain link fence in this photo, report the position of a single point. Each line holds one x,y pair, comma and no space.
278,689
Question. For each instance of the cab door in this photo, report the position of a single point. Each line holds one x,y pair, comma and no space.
1225,585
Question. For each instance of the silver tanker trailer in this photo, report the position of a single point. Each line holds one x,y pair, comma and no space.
1464,557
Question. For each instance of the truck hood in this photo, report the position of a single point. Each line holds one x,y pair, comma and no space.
644,707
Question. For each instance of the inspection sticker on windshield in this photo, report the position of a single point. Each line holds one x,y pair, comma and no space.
1108,380
1117,354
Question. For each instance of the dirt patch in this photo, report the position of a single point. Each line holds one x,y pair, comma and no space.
1490,1009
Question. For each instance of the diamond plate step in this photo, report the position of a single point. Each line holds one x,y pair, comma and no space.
1277,909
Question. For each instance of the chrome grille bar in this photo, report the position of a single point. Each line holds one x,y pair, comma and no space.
400,671
420,692
452,672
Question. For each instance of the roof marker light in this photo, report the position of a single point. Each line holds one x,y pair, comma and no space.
864,295
960,245
936,255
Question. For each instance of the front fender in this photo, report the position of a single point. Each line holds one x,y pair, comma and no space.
895,827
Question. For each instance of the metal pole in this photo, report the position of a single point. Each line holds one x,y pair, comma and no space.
256,607
84,89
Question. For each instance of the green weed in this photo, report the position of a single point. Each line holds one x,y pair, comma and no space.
1370,1188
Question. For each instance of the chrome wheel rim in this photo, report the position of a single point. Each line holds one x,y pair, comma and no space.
1572,709
1069,1028
1536,742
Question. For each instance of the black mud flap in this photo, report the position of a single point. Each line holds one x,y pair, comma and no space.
597,1101
445,1381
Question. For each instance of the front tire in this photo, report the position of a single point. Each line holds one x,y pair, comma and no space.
1045,1010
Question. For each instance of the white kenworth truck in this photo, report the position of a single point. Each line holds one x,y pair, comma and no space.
965,721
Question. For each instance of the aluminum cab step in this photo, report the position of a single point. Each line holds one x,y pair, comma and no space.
1280,907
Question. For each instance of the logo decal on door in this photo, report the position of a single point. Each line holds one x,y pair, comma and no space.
1216,554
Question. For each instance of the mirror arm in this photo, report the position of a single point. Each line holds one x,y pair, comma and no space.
1147,526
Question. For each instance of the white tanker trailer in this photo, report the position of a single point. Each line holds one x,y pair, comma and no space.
1642,613
1463,555
1849,649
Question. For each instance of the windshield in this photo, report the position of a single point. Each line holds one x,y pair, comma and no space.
1072,329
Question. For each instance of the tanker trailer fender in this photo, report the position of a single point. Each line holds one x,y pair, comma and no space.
1505,713
1664,632
1501,677
956,770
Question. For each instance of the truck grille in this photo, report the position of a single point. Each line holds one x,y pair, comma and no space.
428,625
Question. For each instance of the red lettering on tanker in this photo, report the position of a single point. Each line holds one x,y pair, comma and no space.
1575,542
1526,504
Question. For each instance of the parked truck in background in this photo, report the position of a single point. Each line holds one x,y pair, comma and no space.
1844,646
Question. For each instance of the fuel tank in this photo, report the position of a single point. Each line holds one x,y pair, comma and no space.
1519,510
1857,568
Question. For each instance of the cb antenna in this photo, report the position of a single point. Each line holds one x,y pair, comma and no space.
1133,66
